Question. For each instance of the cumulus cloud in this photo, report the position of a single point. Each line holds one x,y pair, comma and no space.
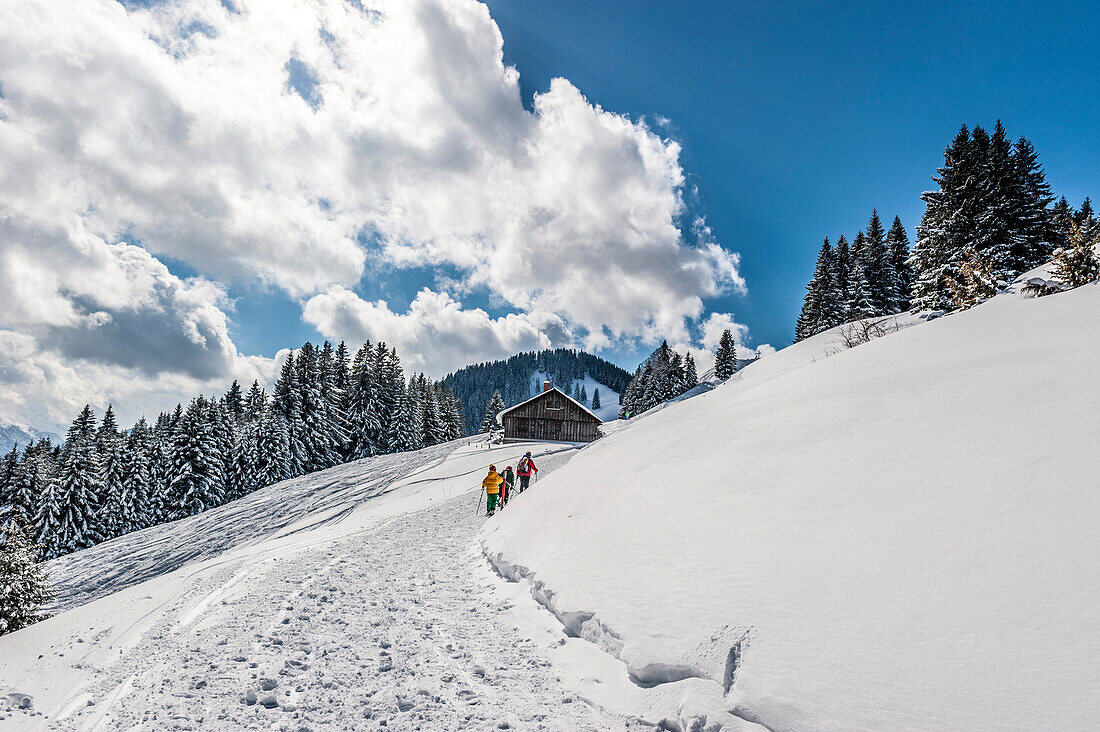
437,334
303,145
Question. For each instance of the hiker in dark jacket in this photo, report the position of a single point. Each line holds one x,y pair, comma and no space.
525,468
506,487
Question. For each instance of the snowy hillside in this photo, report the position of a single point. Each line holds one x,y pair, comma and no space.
897,536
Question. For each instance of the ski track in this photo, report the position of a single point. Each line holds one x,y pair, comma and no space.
390,628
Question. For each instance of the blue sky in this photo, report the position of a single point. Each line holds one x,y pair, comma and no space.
196,187
797,118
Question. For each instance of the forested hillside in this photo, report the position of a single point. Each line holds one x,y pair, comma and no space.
514,378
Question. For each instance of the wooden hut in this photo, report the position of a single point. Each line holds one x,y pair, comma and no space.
552,415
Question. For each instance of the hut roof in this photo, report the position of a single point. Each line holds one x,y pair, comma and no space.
544,393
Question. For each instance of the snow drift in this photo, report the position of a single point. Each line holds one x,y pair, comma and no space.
897,536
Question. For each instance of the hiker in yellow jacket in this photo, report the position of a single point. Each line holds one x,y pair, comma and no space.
491,484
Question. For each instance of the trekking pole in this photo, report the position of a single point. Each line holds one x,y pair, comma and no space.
479,495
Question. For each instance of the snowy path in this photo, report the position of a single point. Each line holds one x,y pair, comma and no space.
389,627
386,617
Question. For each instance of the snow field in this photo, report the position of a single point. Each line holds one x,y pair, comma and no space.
897,536
372,609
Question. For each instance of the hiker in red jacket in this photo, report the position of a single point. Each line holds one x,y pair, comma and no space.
524,469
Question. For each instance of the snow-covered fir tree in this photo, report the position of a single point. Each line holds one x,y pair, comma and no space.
725,358
137,477
991,210
10,512
234,402
364,423
691,375
660,378
287,399
596,396
79,491
492,411
110,448
882,280
255,403
271,459
452,414
160,463
897,244
332,372
195,483
823,306
24,586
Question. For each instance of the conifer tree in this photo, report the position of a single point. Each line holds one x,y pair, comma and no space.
842,266
79,488
109,445
321,434
32,473
822,307
691,376
234,402
137,478
596,397
391,392
725,358
272,454
1061,216
492,409
333,375
897,244
944,227
1085,213
882,280
47,522
195,482
24,586
408,430
223,434
10,511
255,403
584,395
1032,220
157,508
456,422
286,398
364,422
431,412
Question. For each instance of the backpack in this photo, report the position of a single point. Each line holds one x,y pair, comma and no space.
524,465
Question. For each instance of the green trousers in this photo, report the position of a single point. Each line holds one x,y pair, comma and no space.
491,501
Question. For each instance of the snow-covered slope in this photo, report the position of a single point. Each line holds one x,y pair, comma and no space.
898,536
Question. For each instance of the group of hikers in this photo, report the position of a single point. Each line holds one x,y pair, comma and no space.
499,486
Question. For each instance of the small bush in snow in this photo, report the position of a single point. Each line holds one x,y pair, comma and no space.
1038,287
865,330
1076,263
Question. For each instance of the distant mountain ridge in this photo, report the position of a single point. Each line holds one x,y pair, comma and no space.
513,377
22,435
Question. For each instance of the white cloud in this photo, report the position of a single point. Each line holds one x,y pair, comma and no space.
437,334
304,143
